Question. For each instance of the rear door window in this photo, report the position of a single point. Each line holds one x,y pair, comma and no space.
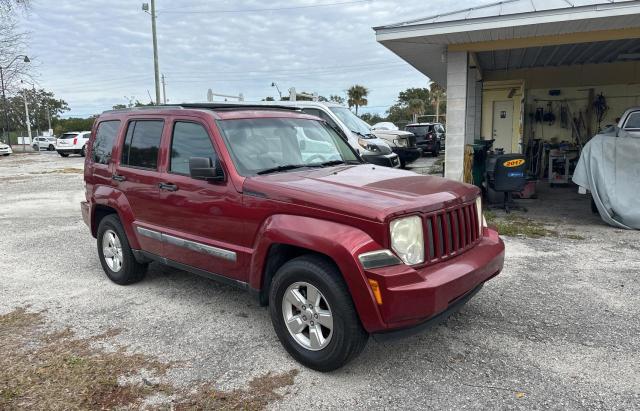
142,144
103,144
66,136
189,140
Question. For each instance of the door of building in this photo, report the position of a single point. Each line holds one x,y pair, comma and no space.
503,125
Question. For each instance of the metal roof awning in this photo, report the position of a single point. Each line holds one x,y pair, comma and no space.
511,34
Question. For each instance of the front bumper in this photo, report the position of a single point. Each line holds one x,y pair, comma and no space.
69,150
5,151
85,208
408,154
411,296
385,160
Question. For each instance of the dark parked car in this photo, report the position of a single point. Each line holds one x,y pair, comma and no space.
274,201
430,137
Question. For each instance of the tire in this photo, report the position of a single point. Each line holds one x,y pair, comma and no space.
63,154
128,271
51,148
36,147
436,152
83,152
403,164
345,340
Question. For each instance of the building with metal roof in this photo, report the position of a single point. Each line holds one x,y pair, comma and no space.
503,62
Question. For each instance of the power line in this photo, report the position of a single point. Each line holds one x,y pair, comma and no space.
170,11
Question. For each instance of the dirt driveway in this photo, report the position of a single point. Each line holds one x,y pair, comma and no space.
559,328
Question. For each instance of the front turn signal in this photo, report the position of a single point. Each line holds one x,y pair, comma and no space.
375,287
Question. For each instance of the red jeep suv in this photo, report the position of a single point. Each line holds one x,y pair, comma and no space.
276,202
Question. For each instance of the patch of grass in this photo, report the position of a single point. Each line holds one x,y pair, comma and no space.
515,225
40,370
257,396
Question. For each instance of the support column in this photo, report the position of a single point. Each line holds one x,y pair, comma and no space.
457,91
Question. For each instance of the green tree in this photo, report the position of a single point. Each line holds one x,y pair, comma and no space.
42,106
336,99
416,108
63,125
269,98
438,99
357,96
371,118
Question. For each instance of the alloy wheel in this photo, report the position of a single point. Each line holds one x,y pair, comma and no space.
307,316
112,250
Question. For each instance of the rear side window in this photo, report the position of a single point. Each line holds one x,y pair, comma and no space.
189,140
142,143
103,144
68,135
633,122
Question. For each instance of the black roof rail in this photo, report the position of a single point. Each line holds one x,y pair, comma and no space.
238,106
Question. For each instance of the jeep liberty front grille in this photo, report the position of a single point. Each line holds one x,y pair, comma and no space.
450,232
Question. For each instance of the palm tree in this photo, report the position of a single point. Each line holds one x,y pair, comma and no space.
437,94
416,107
357,96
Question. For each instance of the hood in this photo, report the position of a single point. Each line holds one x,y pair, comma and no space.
365,191
393,133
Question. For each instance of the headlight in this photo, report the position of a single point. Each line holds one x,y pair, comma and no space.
407,239
401,142
364,144
481,218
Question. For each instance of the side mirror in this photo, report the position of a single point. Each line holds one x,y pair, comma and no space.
202,168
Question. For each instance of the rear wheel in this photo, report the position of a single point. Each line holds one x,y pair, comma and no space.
313,314
51,147
35,147
436,151
83,152
115,253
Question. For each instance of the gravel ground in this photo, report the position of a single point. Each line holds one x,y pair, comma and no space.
557,329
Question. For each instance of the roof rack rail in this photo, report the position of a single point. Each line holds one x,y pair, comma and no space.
236,106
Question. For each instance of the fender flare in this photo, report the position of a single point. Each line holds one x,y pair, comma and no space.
115,199
320,236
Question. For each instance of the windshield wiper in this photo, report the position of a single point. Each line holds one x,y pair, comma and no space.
368,136
336,163
285,167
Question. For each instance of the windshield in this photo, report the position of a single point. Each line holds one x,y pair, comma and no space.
353,122
419,130
262,145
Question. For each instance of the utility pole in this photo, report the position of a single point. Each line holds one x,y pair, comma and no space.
5,129
156,70
164,90
26,113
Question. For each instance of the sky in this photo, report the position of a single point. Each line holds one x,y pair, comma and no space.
95,54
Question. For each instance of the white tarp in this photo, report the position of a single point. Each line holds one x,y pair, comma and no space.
609,167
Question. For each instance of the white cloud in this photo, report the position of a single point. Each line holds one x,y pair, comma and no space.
92,54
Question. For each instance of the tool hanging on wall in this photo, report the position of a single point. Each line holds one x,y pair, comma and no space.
601,108
564,116
548,116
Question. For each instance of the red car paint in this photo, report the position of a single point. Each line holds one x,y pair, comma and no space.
340,211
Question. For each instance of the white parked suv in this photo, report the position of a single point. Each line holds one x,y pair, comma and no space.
5,149
73,142
44,143
372,149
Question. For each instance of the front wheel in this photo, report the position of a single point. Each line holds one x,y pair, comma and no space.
36,147
63,154
51,147
313,314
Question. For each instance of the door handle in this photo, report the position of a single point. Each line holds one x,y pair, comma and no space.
168,187
118,177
